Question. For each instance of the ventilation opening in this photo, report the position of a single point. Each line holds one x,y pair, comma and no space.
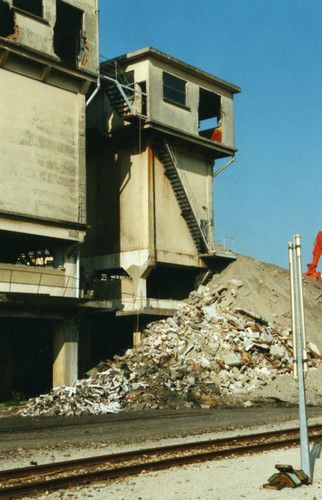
170,282
7,25
33,6
209,115
69,43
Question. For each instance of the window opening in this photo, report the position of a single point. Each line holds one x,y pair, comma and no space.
210,115
174,89
7,25
33,6
69,38
142,86
129,77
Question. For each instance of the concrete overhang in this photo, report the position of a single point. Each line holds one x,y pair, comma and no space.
33,305
150,52
213,149
9,48
147,307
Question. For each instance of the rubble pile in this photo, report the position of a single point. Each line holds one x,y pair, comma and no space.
206,355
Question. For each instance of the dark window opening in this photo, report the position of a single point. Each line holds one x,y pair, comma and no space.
209,115
27,250
33,6
174,89
142,86
7,25
173,282
69,41
25,357
129,78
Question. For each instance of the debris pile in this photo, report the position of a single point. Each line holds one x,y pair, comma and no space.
206,355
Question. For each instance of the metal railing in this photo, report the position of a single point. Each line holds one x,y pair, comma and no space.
191,198
134,98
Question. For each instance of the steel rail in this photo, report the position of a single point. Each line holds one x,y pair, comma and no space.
19,482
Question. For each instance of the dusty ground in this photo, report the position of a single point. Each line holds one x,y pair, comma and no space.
46,439
231,479
266,291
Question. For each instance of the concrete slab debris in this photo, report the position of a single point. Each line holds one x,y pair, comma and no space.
192,359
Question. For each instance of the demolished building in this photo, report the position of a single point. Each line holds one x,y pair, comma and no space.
48,61
106,219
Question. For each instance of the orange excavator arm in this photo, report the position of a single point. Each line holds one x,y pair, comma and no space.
317,252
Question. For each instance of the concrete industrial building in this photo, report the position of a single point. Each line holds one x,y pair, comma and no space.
93,247
154,133
48,61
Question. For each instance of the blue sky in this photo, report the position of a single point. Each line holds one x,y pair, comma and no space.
273,50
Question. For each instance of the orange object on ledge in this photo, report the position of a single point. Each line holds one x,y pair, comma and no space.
216,134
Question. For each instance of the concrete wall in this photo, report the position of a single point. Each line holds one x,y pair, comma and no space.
42,145
39,280
134,221
37,34
117,197
174,243
186,119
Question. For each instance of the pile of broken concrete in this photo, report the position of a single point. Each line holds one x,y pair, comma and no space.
205,355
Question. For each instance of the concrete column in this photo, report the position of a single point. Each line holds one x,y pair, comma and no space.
65,352
137,338
5,365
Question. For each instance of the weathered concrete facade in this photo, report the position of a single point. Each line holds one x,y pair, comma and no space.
48,63
150,180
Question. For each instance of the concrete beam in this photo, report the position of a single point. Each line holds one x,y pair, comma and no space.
65,352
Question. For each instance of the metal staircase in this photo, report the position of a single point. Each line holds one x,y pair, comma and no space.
124,97
189,210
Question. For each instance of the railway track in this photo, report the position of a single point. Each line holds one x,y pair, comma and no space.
15,483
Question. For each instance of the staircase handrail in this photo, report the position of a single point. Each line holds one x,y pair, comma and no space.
129,97
189,193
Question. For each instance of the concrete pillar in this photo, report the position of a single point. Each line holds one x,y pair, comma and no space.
137,338
65,352
5,365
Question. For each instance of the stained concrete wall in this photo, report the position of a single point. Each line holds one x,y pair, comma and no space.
186,118
42,145
133,221
117,197
174,243
36,33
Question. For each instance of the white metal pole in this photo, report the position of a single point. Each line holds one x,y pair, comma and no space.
304,439
297,241
292,291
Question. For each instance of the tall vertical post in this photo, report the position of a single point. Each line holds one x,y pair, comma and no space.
298,321
292,291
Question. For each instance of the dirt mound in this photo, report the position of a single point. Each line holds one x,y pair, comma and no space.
265,289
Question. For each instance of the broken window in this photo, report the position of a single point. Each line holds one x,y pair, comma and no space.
7,25
33,6
209,115
69,41
174,89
